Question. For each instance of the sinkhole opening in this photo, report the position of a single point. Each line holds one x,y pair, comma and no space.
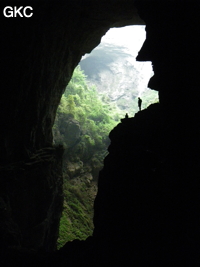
105,86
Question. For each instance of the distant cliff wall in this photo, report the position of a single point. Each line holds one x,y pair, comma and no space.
113,69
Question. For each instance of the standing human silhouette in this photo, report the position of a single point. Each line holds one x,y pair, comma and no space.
139,103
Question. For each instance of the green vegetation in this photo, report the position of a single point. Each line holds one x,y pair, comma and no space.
83,122
76,221
95,114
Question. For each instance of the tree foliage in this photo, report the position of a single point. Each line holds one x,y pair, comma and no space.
96,117
93,116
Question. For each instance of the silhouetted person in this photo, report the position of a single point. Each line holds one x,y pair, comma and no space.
125,118
139,103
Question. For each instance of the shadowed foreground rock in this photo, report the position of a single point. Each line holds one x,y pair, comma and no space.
148,199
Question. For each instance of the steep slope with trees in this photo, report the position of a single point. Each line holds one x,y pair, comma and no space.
82,125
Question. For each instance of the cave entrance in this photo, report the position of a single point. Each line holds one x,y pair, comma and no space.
104,87
113,69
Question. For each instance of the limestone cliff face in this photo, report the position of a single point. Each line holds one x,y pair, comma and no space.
113,69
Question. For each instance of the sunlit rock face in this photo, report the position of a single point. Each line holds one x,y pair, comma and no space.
116,73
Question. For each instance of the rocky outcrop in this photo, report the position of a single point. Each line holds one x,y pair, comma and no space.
149,187
147,191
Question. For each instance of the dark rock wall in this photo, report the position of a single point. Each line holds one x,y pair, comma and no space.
45,49
147,206
38,58
172,44
31,200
